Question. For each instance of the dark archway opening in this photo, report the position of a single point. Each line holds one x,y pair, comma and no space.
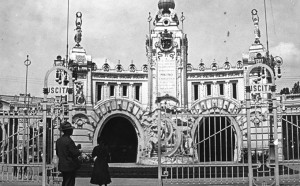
215,139
121,138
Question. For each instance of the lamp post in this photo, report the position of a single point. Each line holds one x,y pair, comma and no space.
27,62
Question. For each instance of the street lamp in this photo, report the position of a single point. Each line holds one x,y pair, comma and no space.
27,62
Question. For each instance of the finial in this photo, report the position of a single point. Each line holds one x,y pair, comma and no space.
201,60
131,61
119,62
226,58
105,60
255,20
182,18
27,62
78,24
149,17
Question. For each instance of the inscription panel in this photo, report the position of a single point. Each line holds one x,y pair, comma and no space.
166,77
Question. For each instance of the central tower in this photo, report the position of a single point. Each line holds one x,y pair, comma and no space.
167,55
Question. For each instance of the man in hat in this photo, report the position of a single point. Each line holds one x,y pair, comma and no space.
68,154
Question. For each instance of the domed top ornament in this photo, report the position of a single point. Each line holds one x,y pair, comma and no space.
166,4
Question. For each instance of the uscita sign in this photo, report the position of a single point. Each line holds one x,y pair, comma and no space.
60,90
261,88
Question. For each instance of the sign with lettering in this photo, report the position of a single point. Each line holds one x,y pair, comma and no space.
259,88
258,60
58,90
167,77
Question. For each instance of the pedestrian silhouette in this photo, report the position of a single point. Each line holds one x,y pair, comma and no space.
100,174
68,154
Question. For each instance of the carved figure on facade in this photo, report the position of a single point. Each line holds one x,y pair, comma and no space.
172,54
119,67
187,147
145,68
79,97
179,61
78,24
170,136
239,64
106,67
214,66
255,19
227,65
166,41
157,17
189,67
132,68
174,16
201,66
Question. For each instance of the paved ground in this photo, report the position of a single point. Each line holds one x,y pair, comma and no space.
115,182
86,182
130,182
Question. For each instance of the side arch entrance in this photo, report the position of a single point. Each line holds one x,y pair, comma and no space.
217,134
121,138
216,139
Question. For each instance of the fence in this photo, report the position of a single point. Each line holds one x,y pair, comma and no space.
21,148
214,149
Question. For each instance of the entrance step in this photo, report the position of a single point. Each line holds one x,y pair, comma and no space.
122,170
132,170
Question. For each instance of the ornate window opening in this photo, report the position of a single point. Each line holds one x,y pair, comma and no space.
208,89
99,92
137,92
221,89
234,90
111,90
196,94
125,91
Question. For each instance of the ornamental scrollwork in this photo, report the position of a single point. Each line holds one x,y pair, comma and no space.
106,67
132,68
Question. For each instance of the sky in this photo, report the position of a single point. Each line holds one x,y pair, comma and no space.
116,30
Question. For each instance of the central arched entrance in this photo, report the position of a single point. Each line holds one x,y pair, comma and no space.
215,139
121,138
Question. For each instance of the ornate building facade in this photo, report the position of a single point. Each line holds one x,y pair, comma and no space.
201,109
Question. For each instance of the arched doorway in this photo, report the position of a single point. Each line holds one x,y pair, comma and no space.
215,138
121,138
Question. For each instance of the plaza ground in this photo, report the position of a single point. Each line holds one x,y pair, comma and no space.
115,182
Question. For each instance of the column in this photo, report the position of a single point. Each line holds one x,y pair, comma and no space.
131,91
118,90
105,91
227,89
89,88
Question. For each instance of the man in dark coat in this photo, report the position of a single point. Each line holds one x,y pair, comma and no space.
68,154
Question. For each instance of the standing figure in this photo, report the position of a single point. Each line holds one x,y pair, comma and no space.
68,154
100,174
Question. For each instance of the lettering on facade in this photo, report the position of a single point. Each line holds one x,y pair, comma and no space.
258,60
167,77
60,90
261,88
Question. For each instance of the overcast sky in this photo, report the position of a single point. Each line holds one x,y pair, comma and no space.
116,30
